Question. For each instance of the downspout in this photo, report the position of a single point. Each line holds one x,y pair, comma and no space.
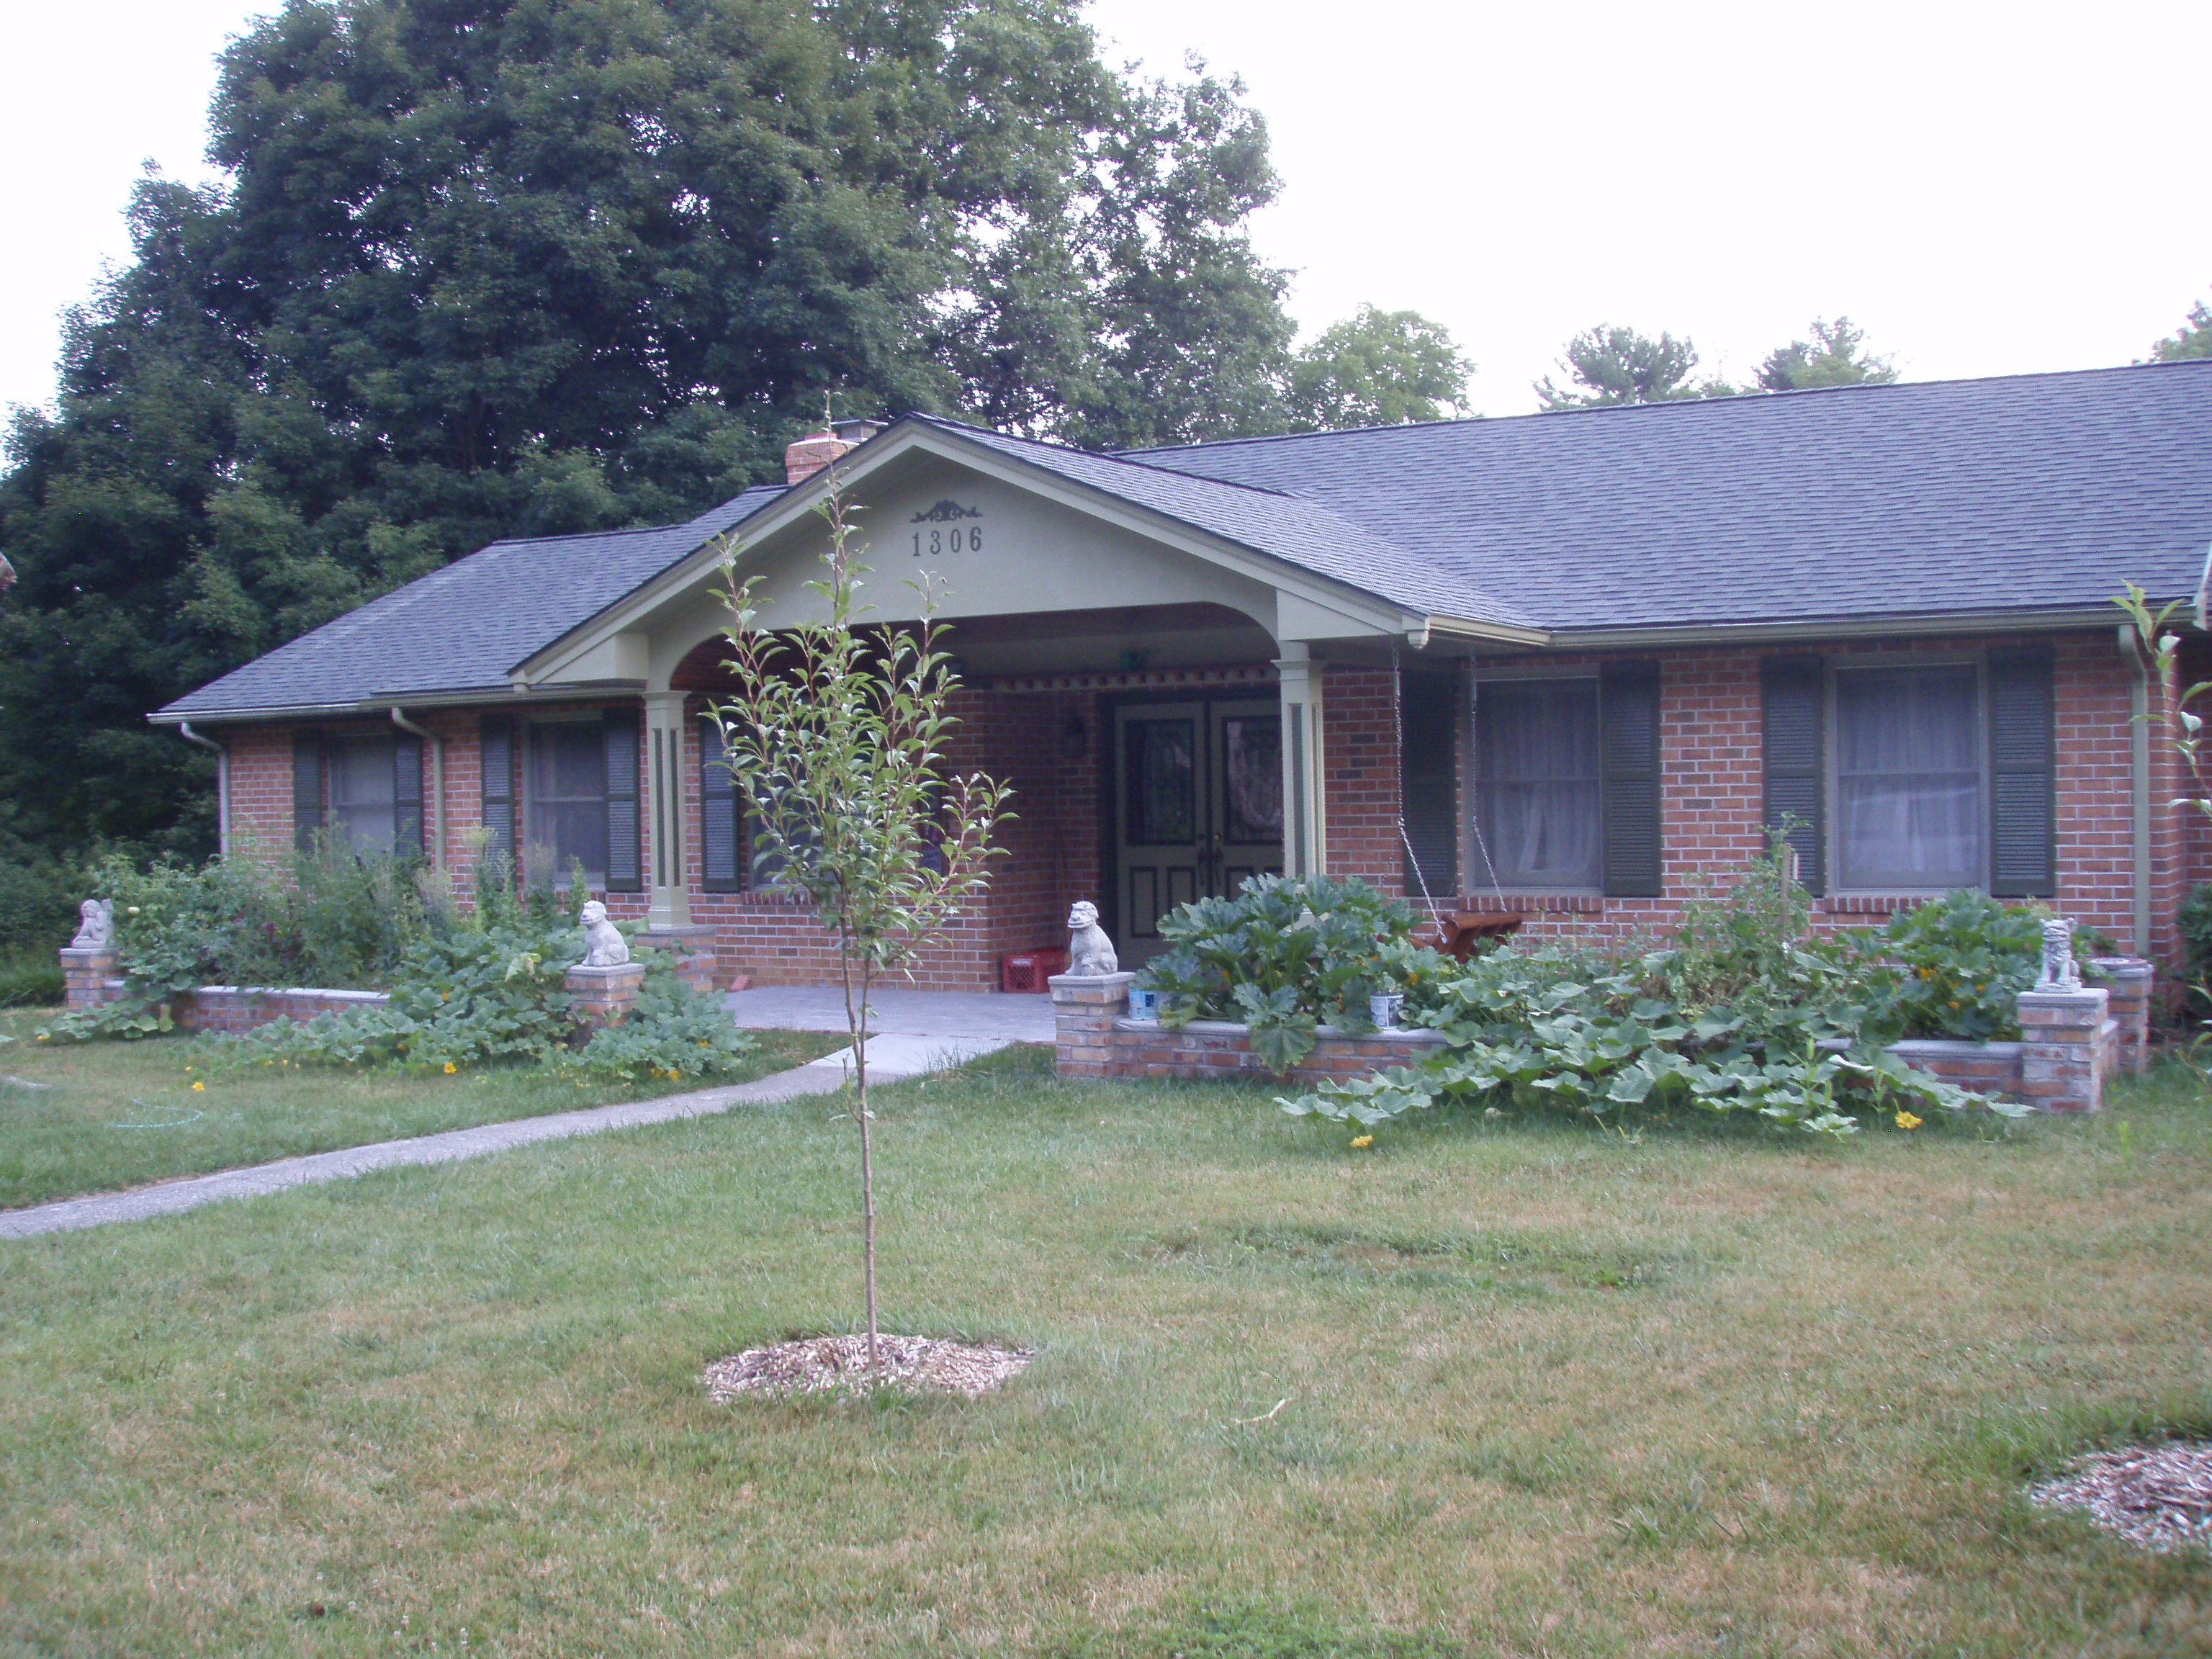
221,785
2139,778
437,784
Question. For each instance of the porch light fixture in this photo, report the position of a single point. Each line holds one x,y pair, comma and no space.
1074,738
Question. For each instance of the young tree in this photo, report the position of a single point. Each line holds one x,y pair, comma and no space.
836,736
1377,368
1835,355
1616,365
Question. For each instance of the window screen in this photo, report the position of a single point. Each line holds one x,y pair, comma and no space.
363,796
568,796
1908,779
1536,783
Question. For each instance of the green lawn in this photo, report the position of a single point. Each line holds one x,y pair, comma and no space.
1544,1391
84,1117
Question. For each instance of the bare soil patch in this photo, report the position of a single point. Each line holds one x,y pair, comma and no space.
821,1364
2156,1498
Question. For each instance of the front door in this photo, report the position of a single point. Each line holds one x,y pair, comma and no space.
1197,807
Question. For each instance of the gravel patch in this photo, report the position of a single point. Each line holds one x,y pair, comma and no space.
820,1365
2156,1498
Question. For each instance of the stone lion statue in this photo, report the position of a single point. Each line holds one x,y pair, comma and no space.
604,944
95,924
1089,951
2060,972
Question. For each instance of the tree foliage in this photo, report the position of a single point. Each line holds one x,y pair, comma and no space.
1835,355
2193,339
481,267
1377,368
1609,365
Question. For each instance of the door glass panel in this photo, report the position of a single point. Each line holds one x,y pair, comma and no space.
1252,778
1163,775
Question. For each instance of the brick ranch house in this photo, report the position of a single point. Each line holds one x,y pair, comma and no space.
1583,657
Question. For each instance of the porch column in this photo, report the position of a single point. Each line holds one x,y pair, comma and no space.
668,902
1305,825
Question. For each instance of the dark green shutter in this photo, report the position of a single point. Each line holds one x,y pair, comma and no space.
2023,797
307,788
495,744
1628,711
1793,697
721,867
1429,705
625,868
407,796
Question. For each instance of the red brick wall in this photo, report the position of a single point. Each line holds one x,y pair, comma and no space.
1709,753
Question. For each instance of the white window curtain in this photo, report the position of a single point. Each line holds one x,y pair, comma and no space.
1908,779
1536,783
567,804
363,804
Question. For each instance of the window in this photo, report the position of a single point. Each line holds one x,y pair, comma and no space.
567,799
364,796
1538,790
1908,788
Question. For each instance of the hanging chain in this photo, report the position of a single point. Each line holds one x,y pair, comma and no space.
1398,732
1473,765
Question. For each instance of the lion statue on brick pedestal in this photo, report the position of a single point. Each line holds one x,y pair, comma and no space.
1089,951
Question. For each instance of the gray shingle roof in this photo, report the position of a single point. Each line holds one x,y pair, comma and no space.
463,628
1270,518
2027,491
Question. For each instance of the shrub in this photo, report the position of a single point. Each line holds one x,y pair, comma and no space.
2194,919
30,978
1954,967
1285,955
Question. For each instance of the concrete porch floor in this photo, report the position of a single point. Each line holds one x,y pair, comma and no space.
912,1031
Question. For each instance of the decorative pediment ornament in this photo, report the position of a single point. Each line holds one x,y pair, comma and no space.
944,512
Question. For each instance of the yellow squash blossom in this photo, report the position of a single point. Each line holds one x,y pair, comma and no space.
1906,1121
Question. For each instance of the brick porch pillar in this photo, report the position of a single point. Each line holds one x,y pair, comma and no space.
2067,1043
1085,1007
2131,978
603,996
86,970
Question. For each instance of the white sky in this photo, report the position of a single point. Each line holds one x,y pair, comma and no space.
1984,188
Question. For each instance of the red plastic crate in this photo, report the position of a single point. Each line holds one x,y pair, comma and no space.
1027,970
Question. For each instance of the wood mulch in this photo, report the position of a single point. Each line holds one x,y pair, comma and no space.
2156,1498
823,1365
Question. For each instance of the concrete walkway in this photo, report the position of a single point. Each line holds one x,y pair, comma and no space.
892,1057
911,1028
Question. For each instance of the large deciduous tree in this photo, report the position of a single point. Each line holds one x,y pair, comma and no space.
483,267
2193,339
1377,368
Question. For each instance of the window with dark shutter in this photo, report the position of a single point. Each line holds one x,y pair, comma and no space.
306,789
721,859
2023,816
1629,707
1429,706
1540,784
625,870
1791,691
496,746
407,796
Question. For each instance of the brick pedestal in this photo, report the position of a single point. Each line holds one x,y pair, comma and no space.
1085,1007
2068,1043
693,949
87,970
2131,978
603,996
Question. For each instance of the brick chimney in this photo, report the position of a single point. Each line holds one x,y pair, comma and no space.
803,459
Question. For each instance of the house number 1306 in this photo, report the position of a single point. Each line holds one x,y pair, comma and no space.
928,544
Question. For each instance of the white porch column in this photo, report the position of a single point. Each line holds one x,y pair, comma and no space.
1305,822
668,902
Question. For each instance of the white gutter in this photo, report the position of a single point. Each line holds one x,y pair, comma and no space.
437,782
222,784
2139,780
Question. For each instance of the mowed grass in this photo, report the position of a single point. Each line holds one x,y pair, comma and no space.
85,1117
1502,1389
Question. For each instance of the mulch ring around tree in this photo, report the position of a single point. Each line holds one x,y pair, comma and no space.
825,1365
2156,1498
